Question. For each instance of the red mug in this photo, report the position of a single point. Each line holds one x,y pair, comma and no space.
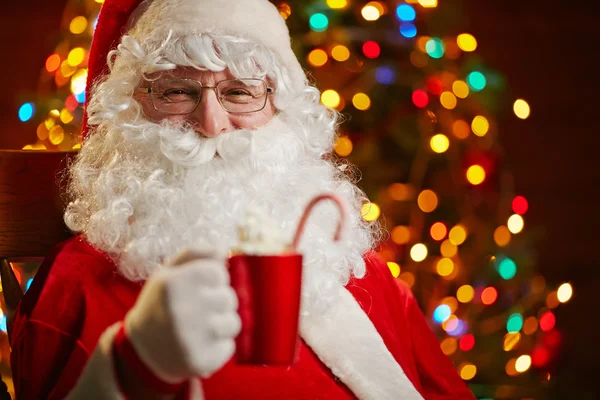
268,289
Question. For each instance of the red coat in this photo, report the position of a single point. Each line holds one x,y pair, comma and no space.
77,293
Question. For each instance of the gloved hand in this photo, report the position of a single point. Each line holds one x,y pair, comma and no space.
185,320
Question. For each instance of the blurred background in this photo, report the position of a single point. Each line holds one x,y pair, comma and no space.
473,125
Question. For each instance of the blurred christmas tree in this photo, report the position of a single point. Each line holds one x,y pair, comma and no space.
421,113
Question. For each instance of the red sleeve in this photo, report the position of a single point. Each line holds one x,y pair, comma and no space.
47,364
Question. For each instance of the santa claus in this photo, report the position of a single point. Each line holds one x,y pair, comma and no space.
198,111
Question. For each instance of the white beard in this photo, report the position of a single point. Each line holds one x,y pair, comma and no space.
147,205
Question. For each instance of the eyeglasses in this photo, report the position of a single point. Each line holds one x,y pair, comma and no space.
182,95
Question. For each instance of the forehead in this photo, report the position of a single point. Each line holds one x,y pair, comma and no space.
206,77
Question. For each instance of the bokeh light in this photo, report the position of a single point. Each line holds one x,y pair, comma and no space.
502,236
418,252
337,4
420,98
370,12
394,268
460,89
506,268
521,109
514,322
466,42
444,267
523,363
343,146
385,75
435,48
438,231
26,111
439,143
467,342
547,321
78,25
511,340
457,235
427,201
441,313
401,234
489,295
361,101
465,293
447,249
475,174
515,223
317,57
564,292
330,98
467,371
371,49
448,100
408,30
449,346
370,211
53,62
405,12
480,125
340,53
476,81
461,129
520,205
318,22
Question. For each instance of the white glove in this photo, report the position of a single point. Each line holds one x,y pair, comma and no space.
185,319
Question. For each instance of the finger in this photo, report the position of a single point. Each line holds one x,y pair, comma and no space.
225,326
206,273
221,300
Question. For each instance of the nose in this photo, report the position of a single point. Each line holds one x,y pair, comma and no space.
209,119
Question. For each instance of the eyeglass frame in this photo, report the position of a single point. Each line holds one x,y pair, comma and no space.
270,90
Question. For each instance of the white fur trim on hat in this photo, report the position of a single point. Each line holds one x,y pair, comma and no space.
256,20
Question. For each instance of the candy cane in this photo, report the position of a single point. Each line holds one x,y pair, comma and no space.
327,196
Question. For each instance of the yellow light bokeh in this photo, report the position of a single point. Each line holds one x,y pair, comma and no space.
427,201
343,146
502,236
418,252
370,12
394,268
340,53
444,267
511,340
42,131
457,235
78,82
467,371
401,234
400,191
76,56
337,4
530,325
447,249
439,143
284,10
523,363
438,231
448,100
461,129
78,25
361,101
465,293
330,98
521,109
370,212
317,57
475,174
66,116
466,42
66,70
480,125
515,223
460,89
56,135
449,346
564,292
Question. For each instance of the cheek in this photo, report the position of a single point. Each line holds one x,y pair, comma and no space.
254,120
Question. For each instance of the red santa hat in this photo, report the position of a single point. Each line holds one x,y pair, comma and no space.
257,20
